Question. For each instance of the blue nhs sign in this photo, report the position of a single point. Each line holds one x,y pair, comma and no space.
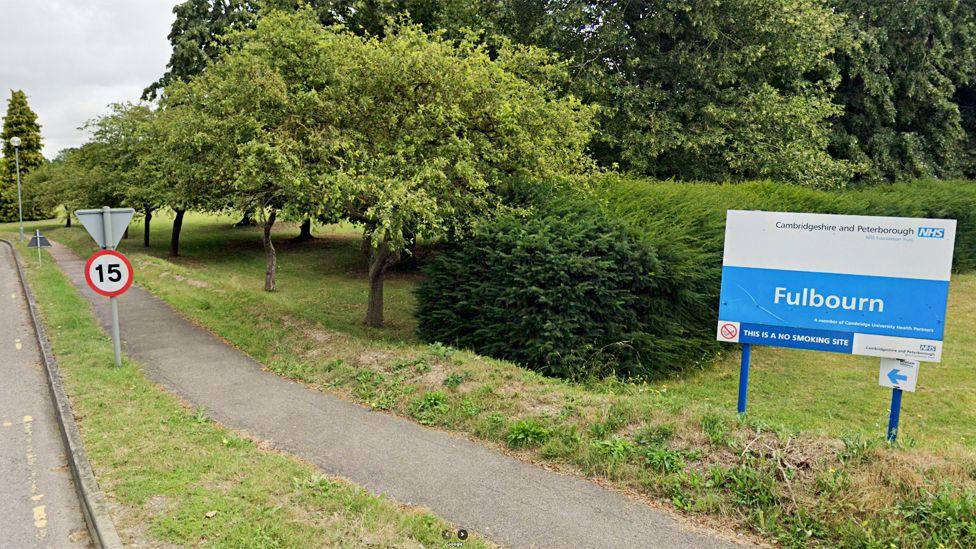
873,286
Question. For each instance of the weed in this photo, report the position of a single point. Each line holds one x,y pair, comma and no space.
662,459
429,407
200,416
453,381
615,451
440,350
751,487
716,429
470,407
526,433
367,383
856,450
651,435
236,442
941,519
330,366
492,426
564,442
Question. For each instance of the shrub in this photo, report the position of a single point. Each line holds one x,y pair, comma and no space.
568,292
526,433
628,281
429,407
684,224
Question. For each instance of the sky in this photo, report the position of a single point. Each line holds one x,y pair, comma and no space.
74,57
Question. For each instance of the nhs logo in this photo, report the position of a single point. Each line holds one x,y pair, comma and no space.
931,232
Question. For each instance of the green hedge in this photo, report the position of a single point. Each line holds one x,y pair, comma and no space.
629,282
568,292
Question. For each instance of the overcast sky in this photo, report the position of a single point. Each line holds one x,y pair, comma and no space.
74,57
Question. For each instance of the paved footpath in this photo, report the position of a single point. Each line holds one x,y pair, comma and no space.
482,490
38,505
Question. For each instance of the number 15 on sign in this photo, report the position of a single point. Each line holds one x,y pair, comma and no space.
108,273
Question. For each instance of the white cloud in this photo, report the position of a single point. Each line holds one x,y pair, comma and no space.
74,57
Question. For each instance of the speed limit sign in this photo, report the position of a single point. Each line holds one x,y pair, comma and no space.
109,273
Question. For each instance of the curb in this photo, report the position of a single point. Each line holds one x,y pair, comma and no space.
100,526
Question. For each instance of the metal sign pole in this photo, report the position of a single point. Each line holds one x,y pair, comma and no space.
744,377
113,301
895,412
20,203
37,235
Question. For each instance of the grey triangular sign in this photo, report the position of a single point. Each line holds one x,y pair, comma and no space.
92,221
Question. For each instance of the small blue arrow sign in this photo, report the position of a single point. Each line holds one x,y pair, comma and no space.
894,376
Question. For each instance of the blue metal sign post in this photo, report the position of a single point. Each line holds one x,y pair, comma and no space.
893,416
744,377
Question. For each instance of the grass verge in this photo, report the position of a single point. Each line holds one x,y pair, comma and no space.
176,477
797,470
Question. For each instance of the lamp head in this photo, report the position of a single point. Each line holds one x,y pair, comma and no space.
15,141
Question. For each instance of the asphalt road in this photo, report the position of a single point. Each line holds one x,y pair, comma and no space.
482,490
38,505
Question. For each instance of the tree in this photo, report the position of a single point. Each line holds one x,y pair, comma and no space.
429,129
699,89
905,70
20,121
257,109
196,37
186,163
126,145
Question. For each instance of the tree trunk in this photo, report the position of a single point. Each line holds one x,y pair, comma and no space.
246,221
305,233
145,228
67,222
174,241
379,259
270,256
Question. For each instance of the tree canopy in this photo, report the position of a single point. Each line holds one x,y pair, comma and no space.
20,121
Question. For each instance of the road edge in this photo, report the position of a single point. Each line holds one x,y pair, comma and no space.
100,525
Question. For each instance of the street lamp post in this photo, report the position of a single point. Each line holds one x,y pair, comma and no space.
15,141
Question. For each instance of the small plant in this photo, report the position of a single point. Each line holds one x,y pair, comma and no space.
526,433
453,381
314,482
856,450
429,407
440,350
615,451
716,429
662,459
330,366
367,383
421,366
751,487
492,427
200,416
654,435
947,519
470,407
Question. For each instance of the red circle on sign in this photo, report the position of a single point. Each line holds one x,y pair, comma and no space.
94,286
729,331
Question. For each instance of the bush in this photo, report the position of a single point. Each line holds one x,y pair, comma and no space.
629,281
684,224
568,292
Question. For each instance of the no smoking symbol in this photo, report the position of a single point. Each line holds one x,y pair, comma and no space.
729,331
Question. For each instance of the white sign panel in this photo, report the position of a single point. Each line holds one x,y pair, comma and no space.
898,374
109,273
92,221
863,285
